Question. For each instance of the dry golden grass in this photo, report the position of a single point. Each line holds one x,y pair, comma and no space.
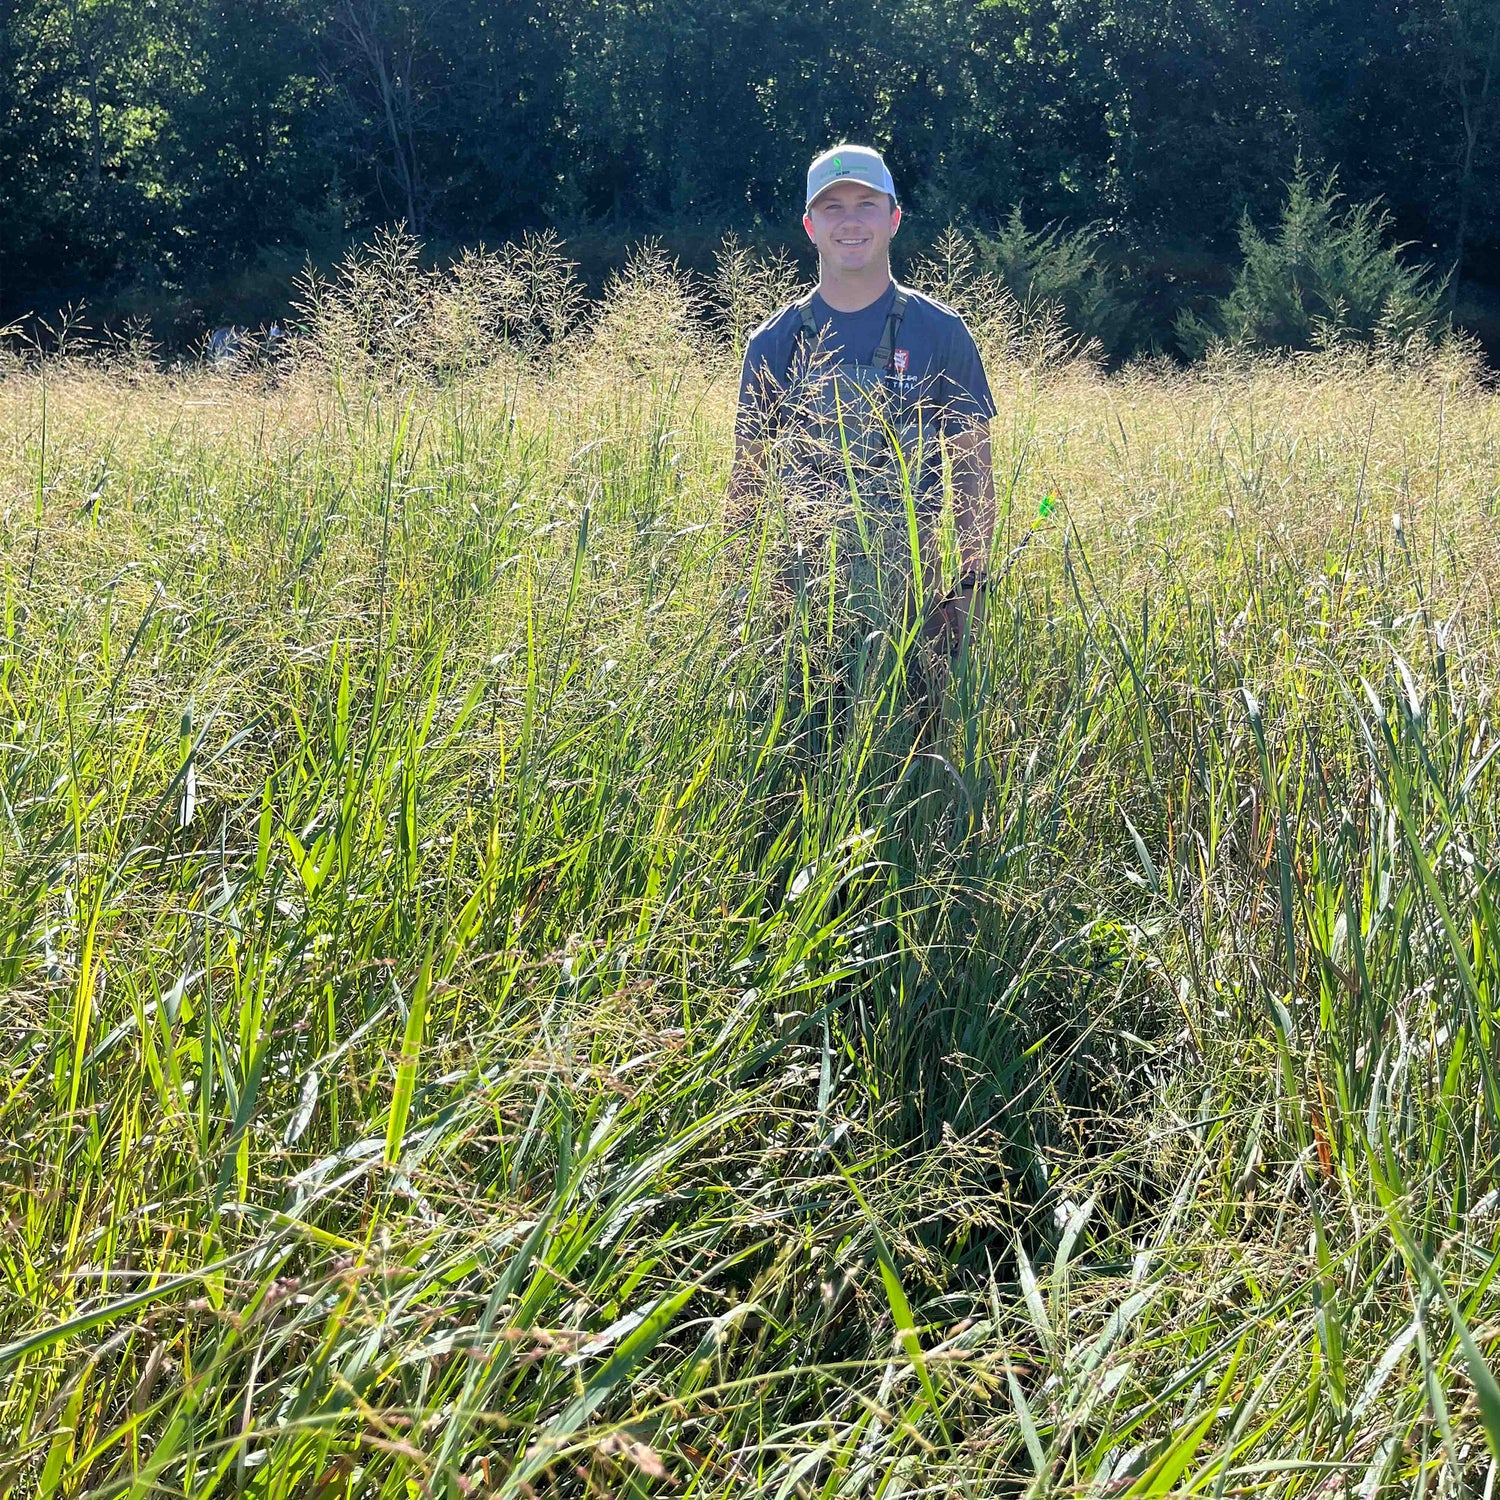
496,1004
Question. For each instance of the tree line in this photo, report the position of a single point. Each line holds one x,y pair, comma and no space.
149,144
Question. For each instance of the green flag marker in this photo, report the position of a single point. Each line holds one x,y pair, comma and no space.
1045,509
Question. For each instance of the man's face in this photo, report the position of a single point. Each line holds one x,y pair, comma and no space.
851,225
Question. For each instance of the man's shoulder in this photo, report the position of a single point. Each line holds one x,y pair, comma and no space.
930,310
780,325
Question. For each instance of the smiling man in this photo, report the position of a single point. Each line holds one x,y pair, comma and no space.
852,396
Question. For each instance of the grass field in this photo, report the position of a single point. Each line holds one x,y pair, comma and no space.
489,1011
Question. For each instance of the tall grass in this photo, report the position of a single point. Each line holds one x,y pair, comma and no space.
502,1001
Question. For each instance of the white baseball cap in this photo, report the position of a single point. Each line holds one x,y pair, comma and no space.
846,163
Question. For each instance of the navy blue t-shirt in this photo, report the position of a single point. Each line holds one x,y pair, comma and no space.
943,367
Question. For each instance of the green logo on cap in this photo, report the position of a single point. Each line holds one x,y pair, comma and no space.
838,164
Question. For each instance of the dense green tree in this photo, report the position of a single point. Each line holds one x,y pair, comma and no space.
146,141
247,110
150,144
1467,37
1328,274
80,122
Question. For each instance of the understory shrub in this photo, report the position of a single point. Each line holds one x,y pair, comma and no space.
1066,269
1328,275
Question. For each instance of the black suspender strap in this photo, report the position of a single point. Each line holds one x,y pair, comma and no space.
884,350
807,330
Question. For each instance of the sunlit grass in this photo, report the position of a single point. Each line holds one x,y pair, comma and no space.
497,1004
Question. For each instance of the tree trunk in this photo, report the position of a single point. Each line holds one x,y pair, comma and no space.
405,167
362,25
86,50
1474,100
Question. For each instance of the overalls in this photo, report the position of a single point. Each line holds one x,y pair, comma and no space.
855,451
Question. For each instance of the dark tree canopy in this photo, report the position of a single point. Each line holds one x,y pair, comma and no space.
148,144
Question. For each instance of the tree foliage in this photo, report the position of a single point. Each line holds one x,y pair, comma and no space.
1063,268
150,144
1327,275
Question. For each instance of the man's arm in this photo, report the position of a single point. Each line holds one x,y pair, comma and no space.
751,431
973,520
970,407
973,495
746,474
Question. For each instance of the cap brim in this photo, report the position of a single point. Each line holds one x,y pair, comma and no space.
875,187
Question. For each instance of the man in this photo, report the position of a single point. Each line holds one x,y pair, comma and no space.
851,396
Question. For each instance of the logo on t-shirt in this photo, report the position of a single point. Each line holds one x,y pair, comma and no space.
900,360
